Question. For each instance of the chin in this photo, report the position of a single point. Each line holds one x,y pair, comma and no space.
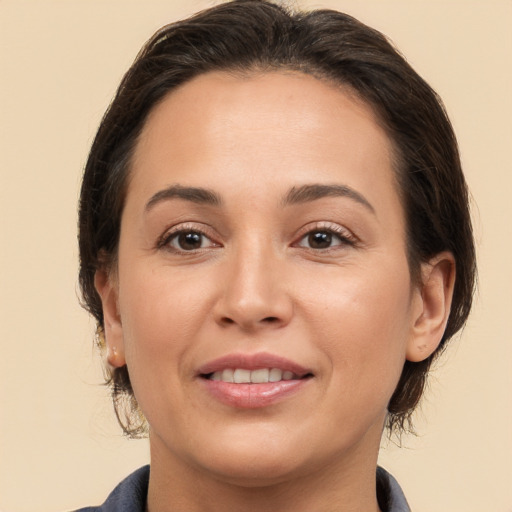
255,459
255,470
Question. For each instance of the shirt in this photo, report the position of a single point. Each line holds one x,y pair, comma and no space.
131,494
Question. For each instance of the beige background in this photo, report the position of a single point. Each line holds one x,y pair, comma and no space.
60,62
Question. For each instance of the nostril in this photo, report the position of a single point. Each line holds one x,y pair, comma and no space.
265,321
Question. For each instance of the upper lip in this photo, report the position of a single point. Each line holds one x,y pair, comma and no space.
253,362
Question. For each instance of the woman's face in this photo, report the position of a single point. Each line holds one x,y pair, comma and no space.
262,239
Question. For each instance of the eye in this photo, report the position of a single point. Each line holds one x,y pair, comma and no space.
186,240
319,239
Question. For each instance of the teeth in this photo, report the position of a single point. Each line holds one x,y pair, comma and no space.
275,375
260,376
242,376
227,376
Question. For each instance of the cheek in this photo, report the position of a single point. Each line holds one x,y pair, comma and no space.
159,320
161,310
363,320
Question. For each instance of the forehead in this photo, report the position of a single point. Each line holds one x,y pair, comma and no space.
274,127
260,102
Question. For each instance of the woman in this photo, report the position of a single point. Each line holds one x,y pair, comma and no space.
275,242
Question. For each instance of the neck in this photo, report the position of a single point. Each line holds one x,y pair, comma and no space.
348,485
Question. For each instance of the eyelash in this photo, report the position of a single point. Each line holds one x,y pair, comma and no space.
165,241
343,236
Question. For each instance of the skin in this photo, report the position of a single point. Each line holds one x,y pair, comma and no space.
346,310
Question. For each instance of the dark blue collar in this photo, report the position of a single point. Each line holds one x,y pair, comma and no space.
129,496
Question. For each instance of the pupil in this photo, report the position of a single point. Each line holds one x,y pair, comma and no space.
189,241
320,240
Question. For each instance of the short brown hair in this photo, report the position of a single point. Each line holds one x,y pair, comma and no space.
248,35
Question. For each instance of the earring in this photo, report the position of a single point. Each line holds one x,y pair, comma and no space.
112,355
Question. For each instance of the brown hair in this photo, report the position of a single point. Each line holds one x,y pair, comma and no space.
249,35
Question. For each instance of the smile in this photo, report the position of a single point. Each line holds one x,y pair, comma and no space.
251,381
259,376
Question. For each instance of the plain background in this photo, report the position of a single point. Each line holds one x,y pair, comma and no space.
60,62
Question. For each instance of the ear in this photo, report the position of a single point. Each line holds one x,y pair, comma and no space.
107,289
435,300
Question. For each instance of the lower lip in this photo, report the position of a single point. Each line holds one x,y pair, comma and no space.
253,396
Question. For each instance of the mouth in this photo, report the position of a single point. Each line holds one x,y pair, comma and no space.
251,381
259,368
257,376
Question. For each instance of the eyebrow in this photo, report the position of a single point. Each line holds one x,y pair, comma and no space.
296,195
307,193
194,194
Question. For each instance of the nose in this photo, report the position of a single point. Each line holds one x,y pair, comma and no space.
254,291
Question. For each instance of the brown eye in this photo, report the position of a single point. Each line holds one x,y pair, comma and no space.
187,241
320,240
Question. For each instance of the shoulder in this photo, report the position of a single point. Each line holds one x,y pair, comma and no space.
129,496
389,493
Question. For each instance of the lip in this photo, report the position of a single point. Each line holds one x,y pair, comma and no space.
253,362
253,396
